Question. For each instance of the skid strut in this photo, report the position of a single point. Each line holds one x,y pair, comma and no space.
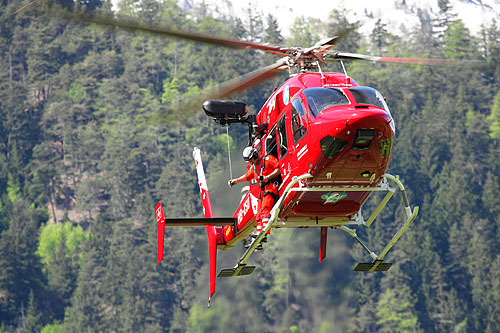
378,265
241,267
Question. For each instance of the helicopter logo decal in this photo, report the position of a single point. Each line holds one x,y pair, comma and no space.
333,197
286,95
270,108
250,202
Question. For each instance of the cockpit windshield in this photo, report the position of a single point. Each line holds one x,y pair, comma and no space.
370,96
320,99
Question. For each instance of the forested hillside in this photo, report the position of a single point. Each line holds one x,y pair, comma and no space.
82,165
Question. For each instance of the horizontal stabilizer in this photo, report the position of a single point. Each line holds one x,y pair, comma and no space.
376,266
246,270
199,221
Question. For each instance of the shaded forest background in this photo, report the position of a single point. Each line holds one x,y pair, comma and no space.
81,169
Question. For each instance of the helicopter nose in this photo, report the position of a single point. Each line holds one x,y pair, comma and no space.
355,132
364,121
366,112
359,117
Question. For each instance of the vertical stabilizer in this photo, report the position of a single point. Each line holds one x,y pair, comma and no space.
202,182
211,231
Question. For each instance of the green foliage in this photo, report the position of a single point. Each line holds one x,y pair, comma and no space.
272,32
457,41
170,90
77,93
305,31
51,236
88,133
32,321
395,313
214,319
22,282
494,118
53,328
13,190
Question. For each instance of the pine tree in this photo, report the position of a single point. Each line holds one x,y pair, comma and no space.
394,312
272,31
62,277
20,266
32,321
379,35
304,31
457,41
255,25
444,18
338,23
494,118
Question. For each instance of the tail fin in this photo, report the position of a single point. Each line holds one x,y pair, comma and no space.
202,182
160,220
211,230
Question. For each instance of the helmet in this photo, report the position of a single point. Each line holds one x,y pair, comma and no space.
249,153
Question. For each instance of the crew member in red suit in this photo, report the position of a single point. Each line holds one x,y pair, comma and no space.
266,171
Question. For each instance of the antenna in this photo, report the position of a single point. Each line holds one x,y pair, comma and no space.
343,67
320,70
347,78
323,78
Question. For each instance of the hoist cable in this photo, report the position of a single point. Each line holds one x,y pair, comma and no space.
229,153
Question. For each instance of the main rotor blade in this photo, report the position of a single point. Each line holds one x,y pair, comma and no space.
129,23
345,56
343,34
248,80
326,44
186,106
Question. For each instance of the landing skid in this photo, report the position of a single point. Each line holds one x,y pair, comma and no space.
376,266
236,271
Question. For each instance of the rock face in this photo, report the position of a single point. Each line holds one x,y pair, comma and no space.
400,16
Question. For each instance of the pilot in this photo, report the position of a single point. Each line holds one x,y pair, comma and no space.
265,170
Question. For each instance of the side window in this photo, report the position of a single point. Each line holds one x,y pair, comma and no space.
271,147
283,143
299,120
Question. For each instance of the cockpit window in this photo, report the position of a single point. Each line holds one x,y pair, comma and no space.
370,96
299,120
320,99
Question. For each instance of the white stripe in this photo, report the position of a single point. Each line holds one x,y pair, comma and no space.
302,152
202,181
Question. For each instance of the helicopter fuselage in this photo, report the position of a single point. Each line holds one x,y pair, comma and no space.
326,125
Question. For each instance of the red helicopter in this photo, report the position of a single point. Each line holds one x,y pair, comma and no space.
332,137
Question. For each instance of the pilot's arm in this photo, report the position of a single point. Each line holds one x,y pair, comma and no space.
272,175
